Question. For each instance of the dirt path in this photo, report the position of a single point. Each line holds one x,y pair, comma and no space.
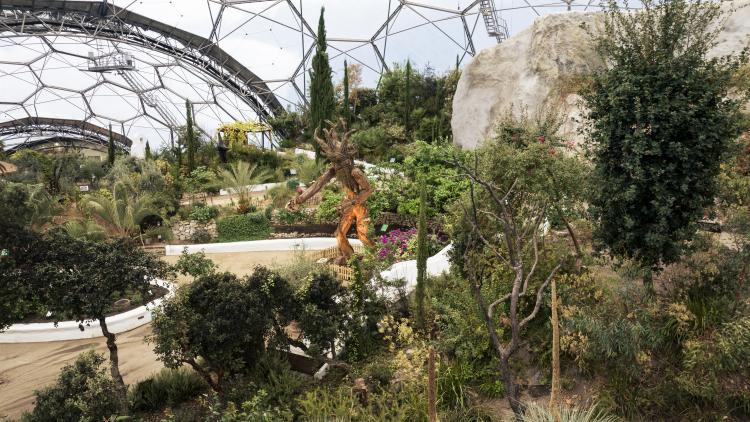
241,263
25,367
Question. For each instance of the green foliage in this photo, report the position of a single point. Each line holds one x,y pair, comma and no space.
202,180
328,210
191,139
203,213
537,413
324,313
422,255
169,387
241,178
196,264
220,325
252,226
124,212
87,230
346,110
147,152
111,147
322,98
83,392
661,122
341,404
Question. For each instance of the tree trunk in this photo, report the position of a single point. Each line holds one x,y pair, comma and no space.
211,381
574,238
114,362
431,388
511,389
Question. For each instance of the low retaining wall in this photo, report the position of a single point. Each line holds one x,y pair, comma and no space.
71,330
269,245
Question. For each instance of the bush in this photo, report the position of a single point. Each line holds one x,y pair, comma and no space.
83,392
328,210
201,235
536,413
203,213
169,387
252,226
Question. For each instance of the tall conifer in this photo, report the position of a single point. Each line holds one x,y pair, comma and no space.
322,97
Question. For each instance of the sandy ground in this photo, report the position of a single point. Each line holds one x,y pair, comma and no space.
241,263
26,367
29,366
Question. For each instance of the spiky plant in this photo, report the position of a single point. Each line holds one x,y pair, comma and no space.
122,213
536,413
88,230
241,177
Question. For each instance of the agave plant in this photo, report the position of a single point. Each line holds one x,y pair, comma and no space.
88,230
122,213
536,413
241,178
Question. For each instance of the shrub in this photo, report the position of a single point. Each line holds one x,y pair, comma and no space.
290,217
194,264
83,392
328,210
168,387
252,226
203,213
201,235
536,413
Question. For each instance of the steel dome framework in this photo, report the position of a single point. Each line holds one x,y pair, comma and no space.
106,65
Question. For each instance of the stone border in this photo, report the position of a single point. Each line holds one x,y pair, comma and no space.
269,245
71,330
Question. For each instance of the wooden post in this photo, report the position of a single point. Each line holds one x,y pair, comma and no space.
555,391
431,388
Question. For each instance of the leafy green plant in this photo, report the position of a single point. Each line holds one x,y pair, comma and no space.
328,210
83,392
169,387
203,213
661,121
194,264
252,226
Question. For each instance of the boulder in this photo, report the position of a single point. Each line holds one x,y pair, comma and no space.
535,71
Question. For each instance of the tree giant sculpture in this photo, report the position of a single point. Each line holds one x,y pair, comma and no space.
340,153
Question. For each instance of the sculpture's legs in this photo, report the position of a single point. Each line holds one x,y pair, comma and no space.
363,224
345,248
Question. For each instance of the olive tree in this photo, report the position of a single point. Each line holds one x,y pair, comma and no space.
220,325
516,180
83,280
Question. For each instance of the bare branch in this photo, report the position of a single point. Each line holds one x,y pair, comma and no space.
539,294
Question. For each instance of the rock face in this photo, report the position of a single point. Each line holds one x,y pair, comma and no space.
535,71
185,230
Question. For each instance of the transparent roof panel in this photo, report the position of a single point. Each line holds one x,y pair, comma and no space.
138,76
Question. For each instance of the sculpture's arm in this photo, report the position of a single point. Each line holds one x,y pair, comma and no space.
312,189
365,189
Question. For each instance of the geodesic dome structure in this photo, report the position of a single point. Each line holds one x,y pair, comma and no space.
132,64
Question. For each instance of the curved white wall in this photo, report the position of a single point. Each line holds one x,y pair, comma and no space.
71,330
270,245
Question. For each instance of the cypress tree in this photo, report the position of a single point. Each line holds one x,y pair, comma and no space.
190,135
322,97
111,147
147,153
422,253
407,99
346,106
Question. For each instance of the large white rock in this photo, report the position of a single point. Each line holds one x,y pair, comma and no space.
535,71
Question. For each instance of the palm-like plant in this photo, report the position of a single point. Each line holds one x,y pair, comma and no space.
44,207
122,213
241,178
88,230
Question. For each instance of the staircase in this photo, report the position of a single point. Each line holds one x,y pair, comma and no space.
496,26
149,98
